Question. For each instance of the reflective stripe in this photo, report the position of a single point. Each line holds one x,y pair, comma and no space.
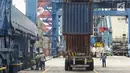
72,54
90,61
75,53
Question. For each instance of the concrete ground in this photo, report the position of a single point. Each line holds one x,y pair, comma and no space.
115,64
36,71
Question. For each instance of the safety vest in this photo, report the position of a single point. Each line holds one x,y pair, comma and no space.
37,57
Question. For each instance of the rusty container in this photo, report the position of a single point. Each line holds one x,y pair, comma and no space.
78,44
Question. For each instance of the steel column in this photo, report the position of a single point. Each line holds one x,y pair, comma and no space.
110,13
31,10
31,50
110,31
105,32
128,11
56,5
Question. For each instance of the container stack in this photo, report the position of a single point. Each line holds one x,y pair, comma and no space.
77,25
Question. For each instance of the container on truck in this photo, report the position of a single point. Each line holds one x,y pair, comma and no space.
77,30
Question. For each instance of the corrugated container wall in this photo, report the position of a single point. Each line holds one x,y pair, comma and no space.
77,18
78,43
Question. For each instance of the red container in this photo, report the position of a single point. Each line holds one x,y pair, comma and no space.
78,44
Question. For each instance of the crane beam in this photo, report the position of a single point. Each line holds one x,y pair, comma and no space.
110,13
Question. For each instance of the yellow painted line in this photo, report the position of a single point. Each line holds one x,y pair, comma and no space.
17,64
95,71
2,68
46,70
90,61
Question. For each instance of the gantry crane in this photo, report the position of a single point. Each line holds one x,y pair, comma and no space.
100,7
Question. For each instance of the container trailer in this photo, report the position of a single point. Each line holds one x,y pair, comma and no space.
77,30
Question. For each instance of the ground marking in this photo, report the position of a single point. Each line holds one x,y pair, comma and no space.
46,70
95,71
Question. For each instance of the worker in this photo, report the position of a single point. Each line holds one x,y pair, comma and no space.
29,61
103,58
37,59
42,61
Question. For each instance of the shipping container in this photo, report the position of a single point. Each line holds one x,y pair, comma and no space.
77,18
78,52
78,44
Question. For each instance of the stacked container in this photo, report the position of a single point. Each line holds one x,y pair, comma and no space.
77,25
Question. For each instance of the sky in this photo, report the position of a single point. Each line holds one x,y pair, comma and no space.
20,4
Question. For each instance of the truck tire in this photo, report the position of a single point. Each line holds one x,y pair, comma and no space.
91,67
70,68
87,69
66,65
5,71
70,63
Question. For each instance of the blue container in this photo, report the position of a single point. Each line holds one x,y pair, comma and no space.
77,18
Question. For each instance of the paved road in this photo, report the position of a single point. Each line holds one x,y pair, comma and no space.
114,65
37,71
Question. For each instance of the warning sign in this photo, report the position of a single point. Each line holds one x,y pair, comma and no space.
121,5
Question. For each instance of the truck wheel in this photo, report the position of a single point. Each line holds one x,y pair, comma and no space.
87,69
70,63
66,65
91,67
5,71
70,68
